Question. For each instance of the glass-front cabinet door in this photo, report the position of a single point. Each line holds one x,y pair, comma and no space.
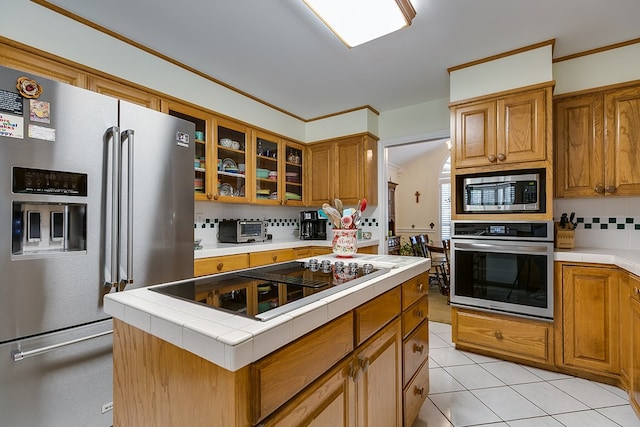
203,181
232,144
293,174
268,170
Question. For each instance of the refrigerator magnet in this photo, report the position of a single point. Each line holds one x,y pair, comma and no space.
11,126
41,132
28,88
39,111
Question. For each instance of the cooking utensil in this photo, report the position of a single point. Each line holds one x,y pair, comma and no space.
333,214
571,223
563,220
362,205
338,204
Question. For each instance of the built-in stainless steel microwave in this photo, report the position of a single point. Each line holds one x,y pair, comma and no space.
500,193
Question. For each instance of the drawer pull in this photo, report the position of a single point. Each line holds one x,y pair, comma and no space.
418,391
418,348
610,189
491,158
502,157
420,287
499,335
637,290
599,189
274,258
419,313
219,266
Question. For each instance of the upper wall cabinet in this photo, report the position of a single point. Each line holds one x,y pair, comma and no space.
505,130
344,169
122,91
597,138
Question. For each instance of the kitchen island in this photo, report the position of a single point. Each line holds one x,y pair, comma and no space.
356,356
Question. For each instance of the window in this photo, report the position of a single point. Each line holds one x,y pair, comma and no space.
445,199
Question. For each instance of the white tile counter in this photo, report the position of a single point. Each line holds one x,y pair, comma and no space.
233,341
218,249
626,259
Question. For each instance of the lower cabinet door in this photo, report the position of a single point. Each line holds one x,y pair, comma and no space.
379,387
330,401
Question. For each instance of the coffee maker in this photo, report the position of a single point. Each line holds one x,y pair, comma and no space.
312,226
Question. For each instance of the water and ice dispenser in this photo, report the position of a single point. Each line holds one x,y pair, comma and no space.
48,225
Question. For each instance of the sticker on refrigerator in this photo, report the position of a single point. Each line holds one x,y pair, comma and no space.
182,139
10,102
39,111
11,126
40,132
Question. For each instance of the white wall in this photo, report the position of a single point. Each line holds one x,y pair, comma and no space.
511,72
421,175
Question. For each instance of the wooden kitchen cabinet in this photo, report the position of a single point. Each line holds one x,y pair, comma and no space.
625,296
220,264
344,169
634,343
506,130
589,307
596,143
232,147
122,91
204,164
257,259
278,166
510,337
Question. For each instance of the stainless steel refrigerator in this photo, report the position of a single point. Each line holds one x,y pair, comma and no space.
96,195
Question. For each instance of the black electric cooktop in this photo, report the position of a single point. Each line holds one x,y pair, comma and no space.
267,292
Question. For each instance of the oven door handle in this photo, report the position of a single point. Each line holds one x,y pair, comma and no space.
492,247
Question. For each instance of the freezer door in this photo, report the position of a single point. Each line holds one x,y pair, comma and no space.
49,291
162,206
70,385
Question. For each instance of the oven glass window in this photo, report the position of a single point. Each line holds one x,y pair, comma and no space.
251,229
511,278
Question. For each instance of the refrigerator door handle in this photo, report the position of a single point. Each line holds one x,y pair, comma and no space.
18,355
128,135
112,136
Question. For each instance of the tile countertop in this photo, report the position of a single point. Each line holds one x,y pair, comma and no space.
218,249
627,259
234,341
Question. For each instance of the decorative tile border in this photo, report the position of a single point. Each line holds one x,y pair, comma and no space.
284,222
609,223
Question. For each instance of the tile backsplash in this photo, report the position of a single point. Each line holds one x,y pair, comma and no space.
282,222
604,222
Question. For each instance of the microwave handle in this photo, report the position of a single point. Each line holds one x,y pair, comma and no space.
492,247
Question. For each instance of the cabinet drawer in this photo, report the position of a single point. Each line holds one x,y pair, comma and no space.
270,257
372,316
281,375
205,266
506,335
415,394
634,287
414,289
415,351
414,315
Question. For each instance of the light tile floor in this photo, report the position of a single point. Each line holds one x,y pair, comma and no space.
468,389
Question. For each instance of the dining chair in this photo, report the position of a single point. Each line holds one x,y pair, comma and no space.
417,247
439,263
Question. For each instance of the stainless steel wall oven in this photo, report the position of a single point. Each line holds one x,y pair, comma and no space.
503,266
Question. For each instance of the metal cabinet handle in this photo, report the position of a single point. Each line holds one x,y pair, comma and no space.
419,313
355,372
209,196
418,391
610,189
599,189
502,157
420,287
491,158
418,348
499,335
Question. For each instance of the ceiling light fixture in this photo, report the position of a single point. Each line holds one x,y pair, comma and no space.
359,21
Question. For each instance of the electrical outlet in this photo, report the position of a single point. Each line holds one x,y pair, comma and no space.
107,407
